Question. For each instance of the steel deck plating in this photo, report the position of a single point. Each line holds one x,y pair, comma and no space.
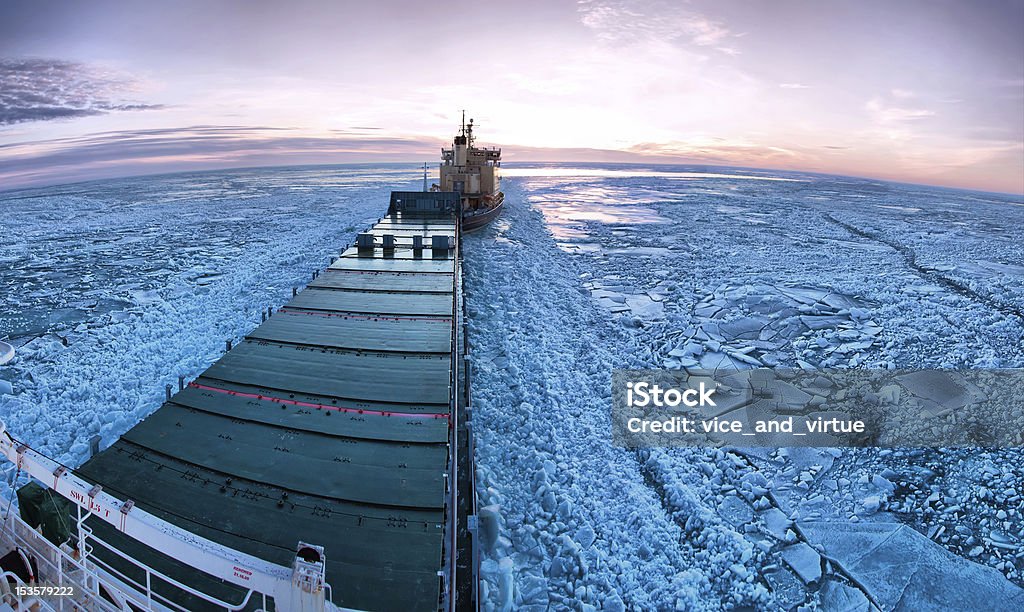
328,424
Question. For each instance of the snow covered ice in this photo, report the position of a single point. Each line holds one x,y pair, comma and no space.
608,268
112,289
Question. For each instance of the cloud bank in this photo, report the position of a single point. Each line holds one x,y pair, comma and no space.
640,20
48,89
152,151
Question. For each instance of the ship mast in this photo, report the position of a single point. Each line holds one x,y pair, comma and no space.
466,130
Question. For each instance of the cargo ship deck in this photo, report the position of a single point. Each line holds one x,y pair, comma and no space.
328,424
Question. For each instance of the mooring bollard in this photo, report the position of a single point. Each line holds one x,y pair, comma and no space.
228,343
181,383
270,311
94,446
263,316
295,291
167,391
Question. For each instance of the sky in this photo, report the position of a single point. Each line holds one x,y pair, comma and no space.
922,91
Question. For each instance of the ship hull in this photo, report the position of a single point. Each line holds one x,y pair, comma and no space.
479,219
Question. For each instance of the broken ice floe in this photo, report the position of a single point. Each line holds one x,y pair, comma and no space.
804,561
761,325
903,570
618,298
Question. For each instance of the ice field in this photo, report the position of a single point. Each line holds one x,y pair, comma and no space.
113,289
613,268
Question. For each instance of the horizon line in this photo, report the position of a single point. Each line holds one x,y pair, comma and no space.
213,169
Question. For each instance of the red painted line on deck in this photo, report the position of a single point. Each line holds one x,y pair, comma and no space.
290,402
384,272
365,317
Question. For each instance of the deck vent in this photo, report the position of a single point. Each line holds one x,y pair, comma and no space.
364,241
441,243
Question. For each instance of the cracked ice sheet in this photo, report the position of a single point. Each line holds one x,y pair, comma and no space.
872,319
903,570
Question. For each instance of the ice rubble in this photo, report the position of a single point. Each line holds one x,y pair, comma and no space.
761,324
767,280
582,524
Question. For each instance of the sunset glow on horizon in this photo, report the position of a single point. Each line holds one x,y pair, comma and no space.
920,91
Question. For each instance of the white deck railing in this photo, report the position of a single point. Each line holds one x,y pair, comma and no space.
300,587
